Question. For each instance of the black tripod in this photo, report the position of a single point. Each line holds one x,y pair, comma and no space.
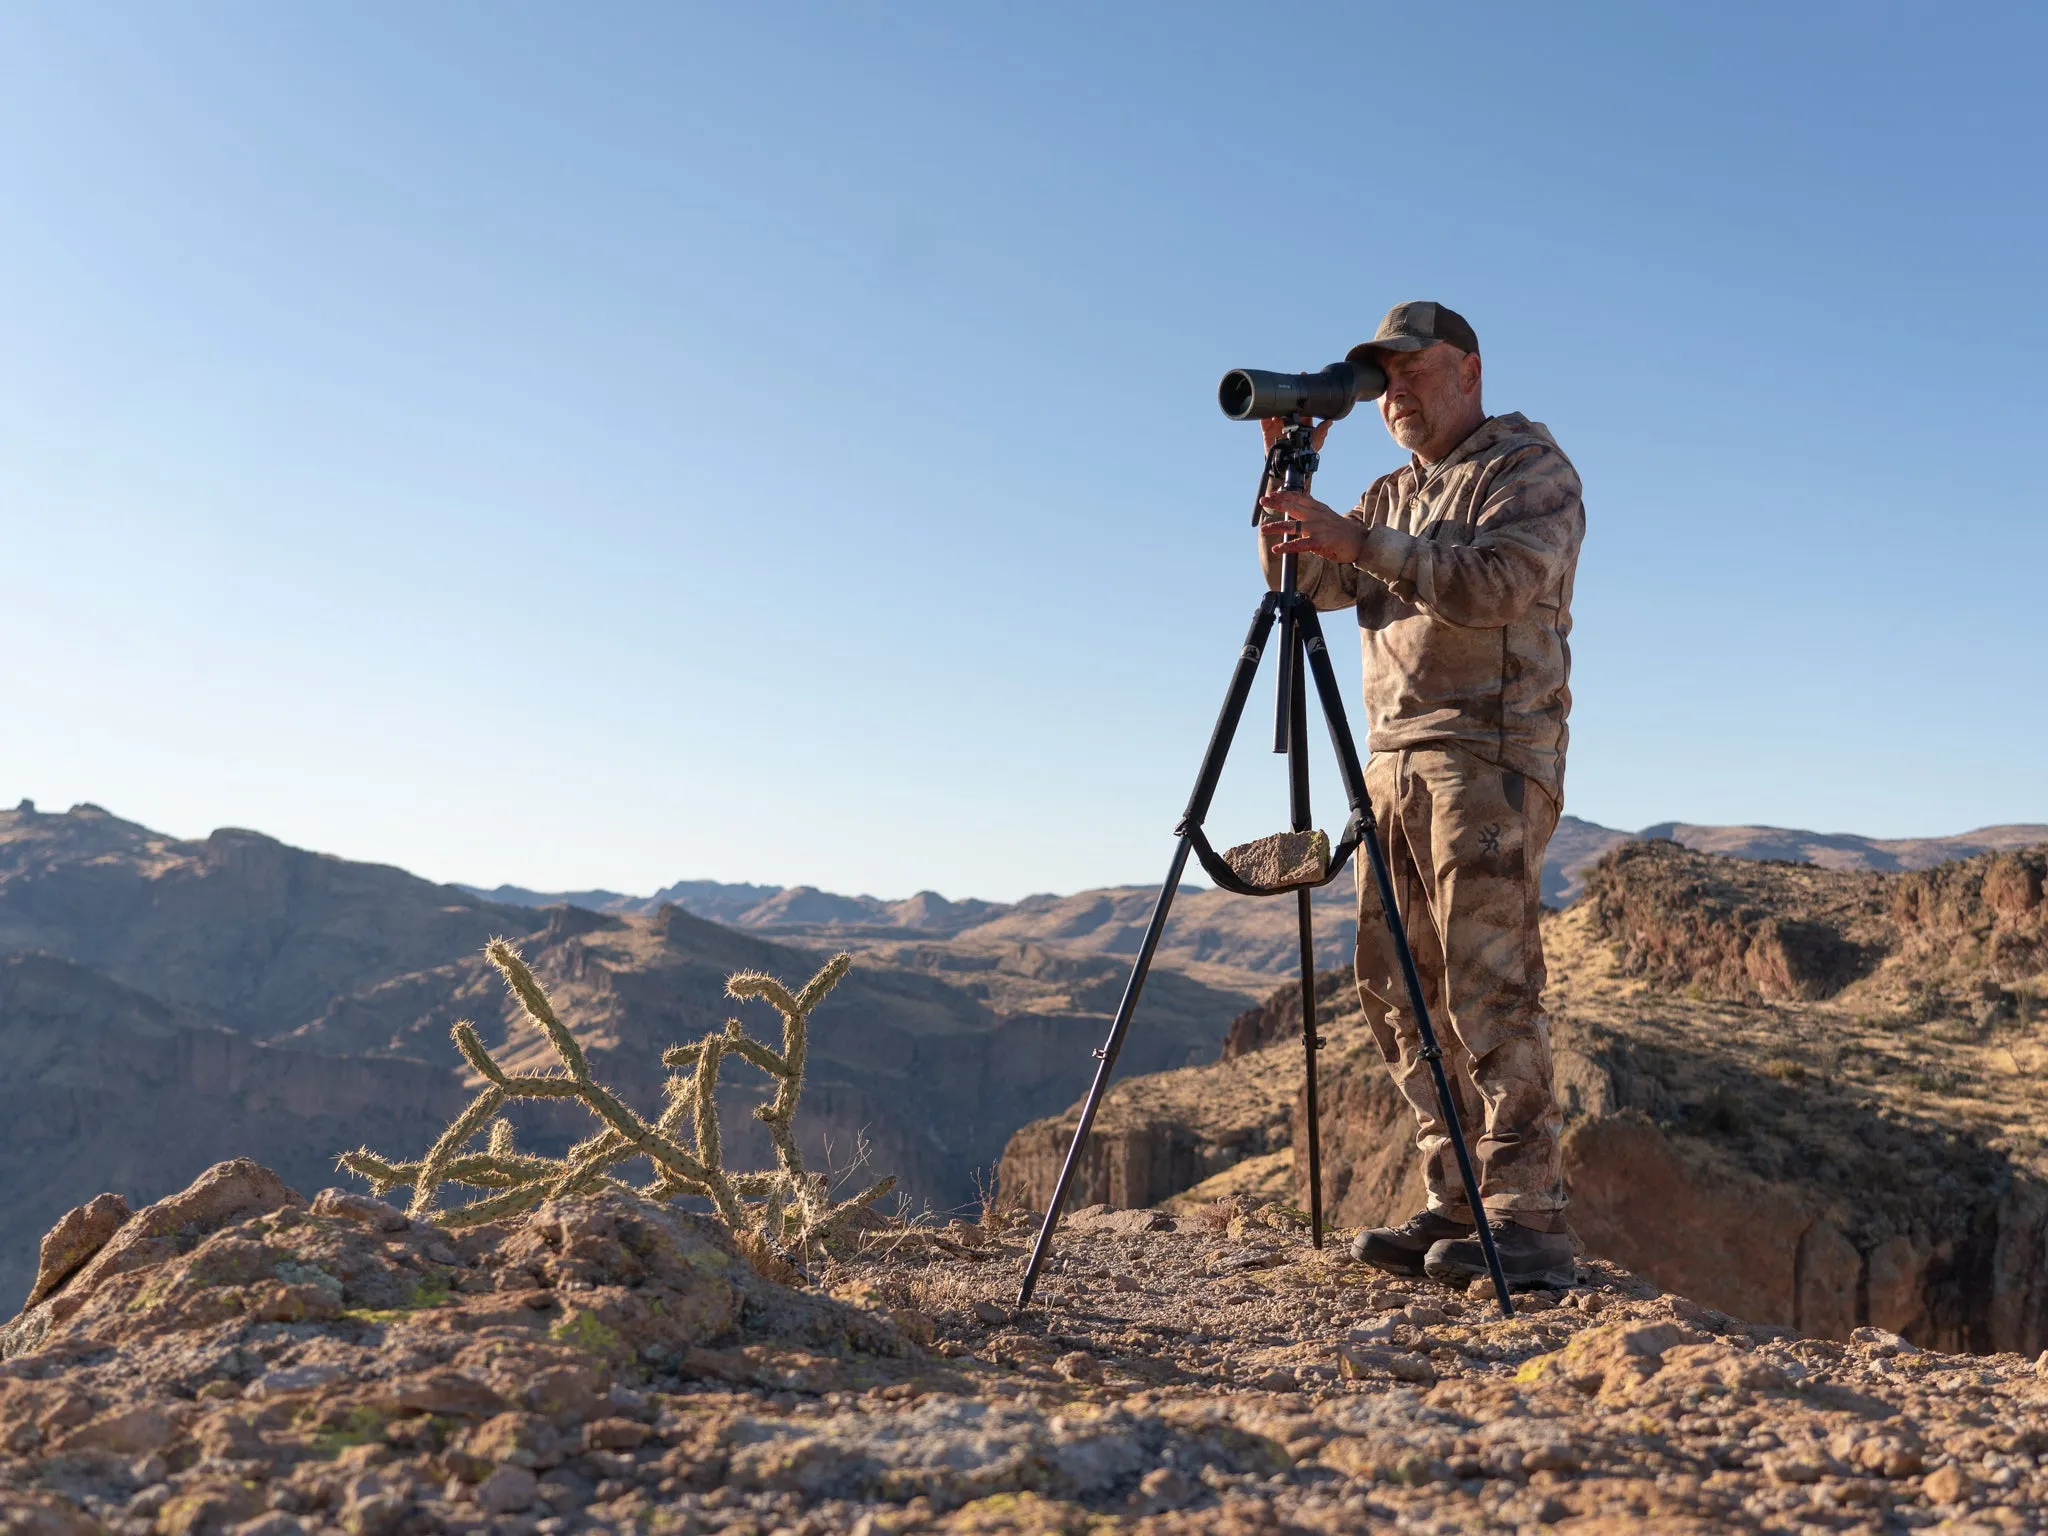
1289,464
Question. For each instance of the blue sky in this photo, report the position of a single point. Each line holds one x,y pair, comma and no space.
609,445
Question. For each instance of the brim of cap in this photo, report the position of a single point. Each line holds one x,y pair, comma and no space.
1365,349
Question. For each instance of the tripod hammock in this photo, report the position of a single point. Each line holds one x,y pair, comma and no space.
1275,865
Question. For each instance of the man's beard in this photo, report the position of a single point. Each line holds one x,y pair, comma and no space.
1411,431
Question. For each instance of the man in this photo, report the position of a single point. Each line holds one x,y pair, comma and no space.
1460,565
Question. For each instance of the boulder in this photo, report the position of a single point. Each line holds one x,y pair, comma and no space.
66,1247
225,1193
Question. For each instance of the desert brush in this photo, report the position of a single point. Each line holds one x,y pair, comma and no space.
785,1206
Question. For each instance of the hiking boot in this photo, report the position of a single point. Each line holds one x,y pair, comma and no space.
1400,1250
1532,1260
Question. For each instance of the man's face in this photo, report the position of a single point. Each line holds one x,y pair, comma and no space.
1429,393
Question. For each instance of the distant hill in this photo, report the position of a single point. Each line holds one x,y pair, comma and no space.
258,933
1575,846
166,1003
766,906
1845,850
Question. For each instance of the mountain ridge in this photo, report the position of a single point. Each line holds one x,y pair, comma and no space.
1575,846
157,979
165,1003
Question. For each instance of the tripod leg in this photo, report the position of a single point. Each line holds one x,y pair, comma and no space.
1294,683
1354,786
1309,1042
1105,1064
1289,658
1198,807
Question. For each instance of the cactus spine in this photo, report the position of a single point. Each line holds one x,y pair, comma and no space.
784,1206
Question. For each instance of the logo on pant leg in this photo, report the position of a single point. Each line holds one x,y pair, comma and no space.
1489,840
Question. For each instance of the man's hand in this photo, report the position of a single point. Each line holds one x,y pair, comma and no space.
1270,427
1297,523
1300,525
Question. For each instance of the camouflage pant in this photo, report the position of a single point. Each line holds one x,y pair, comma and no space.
1464,841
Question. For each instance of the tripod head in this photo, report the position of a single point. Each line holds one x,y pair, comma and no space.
1290,464
1291,461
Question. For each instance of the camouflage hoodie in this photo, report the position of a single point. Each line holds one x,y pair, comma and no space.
1464,594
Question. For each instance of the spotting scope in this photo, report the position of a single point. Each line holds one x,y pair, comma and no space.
1249,393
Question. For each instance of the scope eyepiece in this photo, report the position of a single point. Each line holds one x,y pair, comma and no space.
1246,394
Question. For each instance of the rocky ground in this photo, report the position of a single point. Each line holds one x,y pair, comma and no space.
238,1359
1812,1098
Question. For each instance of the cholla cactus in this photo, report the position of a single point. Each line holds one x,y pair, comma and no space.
783,1206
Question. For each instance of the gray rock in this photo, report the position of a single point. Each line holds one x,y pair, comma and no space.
294,1378
275,1523
349,1206
508,1490
1165,1488
1079,1365
948,1449
1360,1362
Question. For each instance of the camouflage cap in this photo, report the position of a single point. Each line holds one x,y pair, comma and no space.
1411,327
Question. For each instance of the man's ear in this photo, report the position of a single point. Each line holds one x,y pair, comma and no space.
1469,370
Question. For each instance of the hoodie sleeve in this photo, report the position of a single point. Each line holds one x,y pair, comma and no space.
1525,537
